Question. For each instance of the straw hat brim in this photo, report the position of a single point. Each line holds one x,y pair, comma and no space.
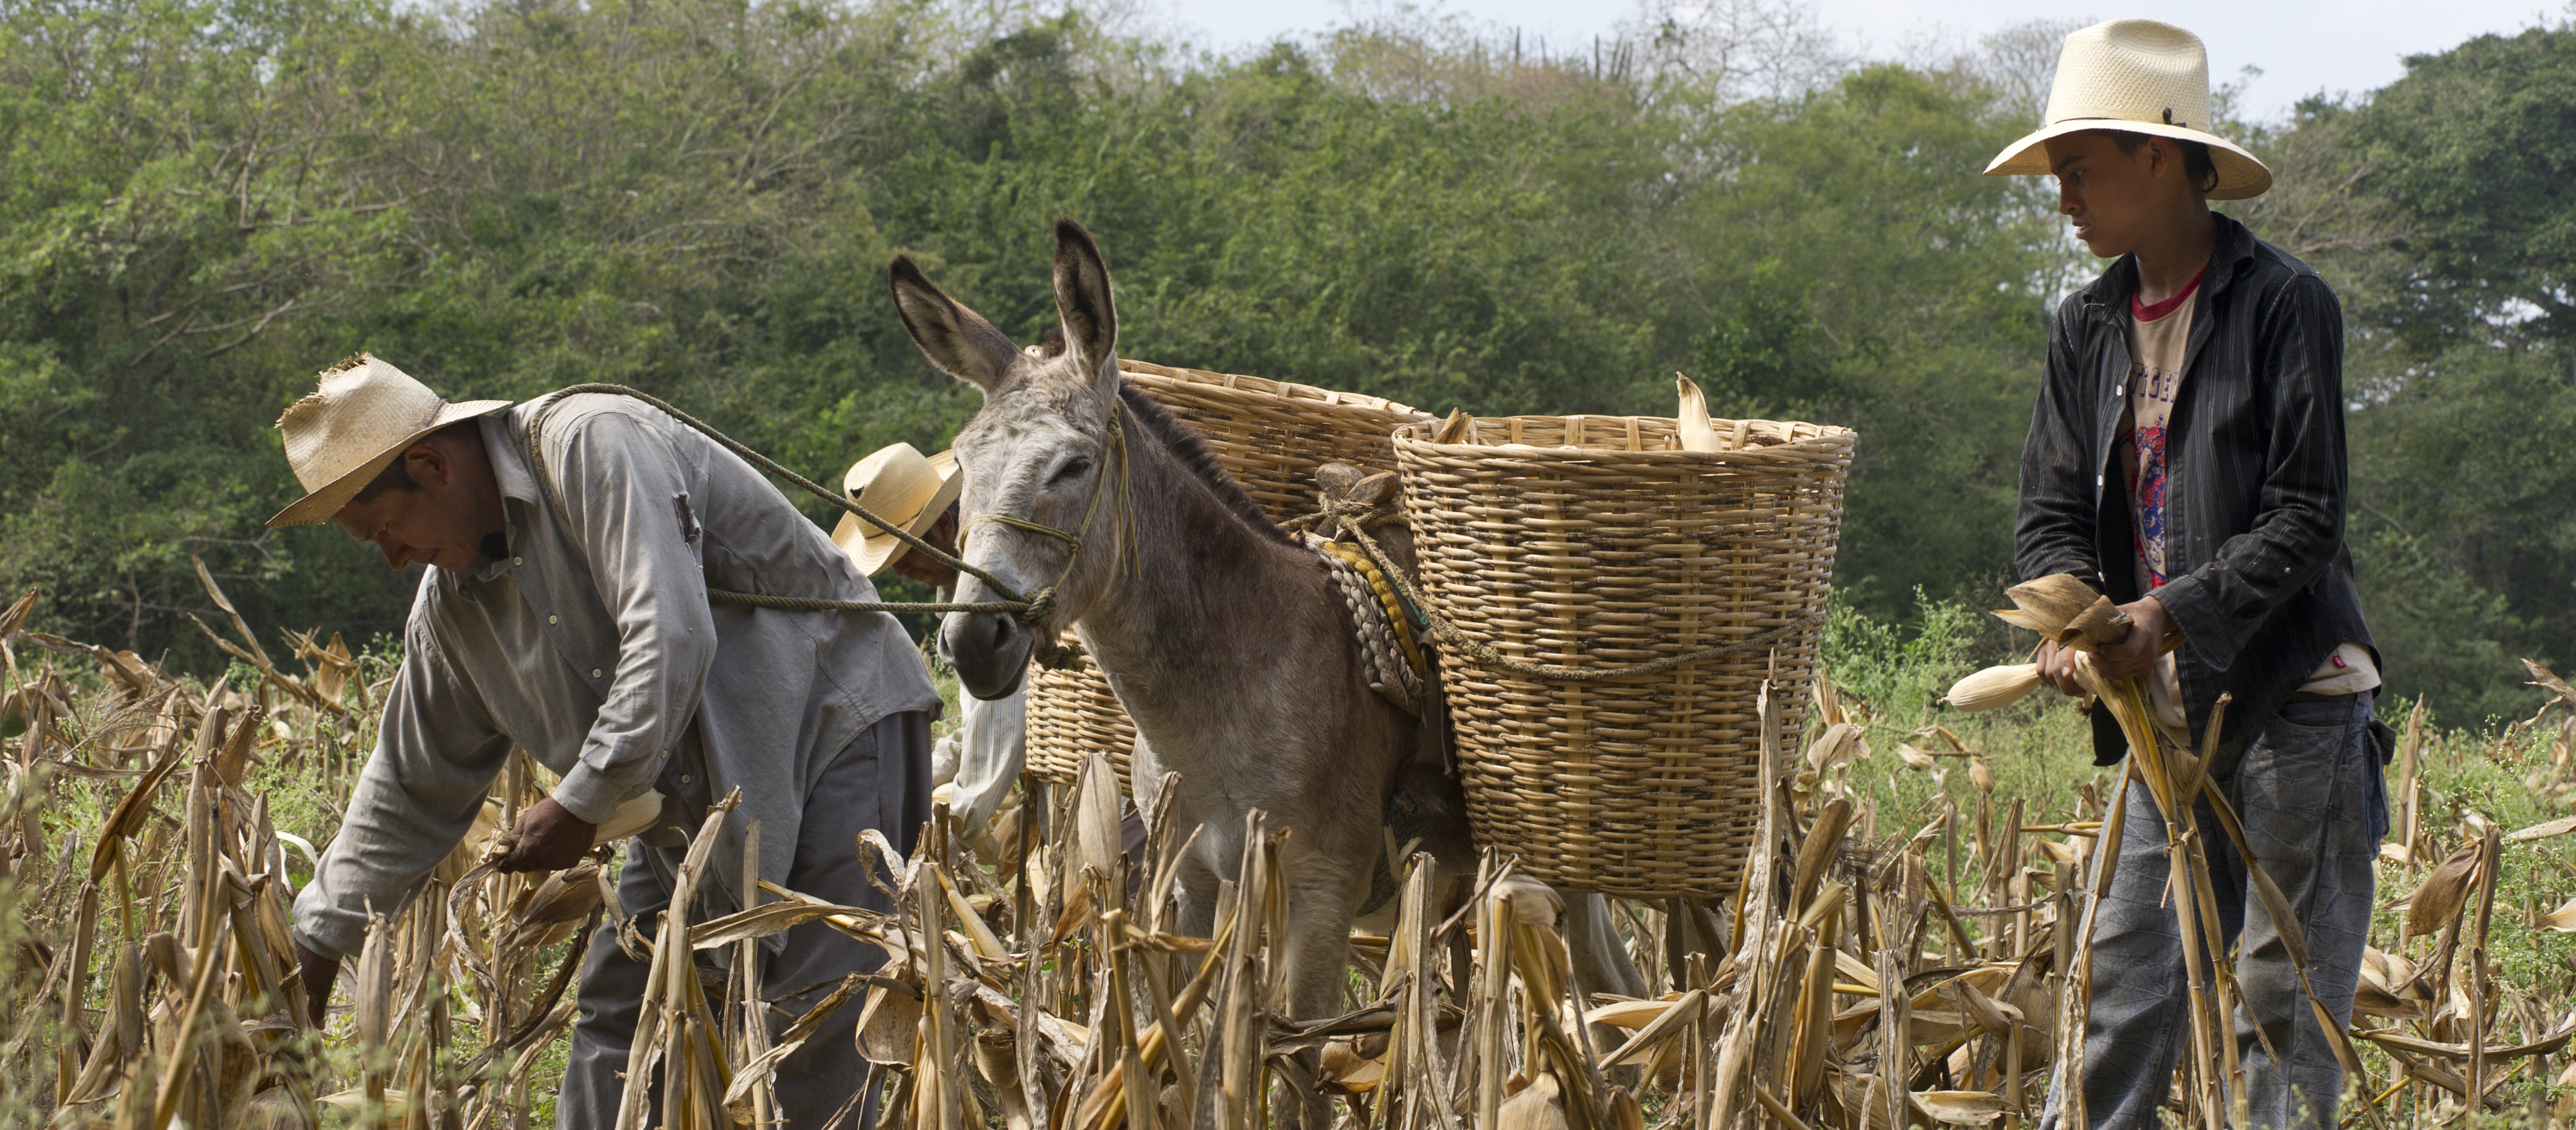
2240,175
318,507
872,549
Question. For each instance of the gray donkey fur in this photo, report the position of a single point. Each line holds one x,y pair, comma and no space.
1219,632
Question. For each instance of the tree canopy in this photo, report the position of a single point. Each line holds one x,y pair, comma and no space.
203,202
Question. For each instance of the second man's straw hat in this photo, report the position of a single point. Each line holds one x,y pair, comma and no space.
901,485
345,432
2136,76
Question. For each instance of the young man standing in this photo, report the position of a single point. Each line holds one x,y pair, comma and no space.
2187,458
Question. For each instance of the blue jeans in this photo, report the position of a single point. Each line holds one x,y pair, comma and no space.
2310,793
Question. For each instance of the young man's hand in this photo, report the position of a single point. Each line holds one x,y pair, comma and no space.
319,974
2131,658
2135,656
551,838
2057,668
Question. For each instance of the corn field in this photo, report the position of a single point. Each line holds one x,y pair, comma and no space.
1885,965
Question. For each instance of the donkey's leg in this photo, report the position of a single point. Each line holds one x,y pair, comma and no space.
1192,821
1601,964
1601,960
1194,891
1318,953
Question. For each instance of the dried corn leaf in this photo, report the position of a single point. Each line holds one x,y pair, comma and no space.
2052,602
1539,1106
2439,900
1837,744
1960,1108
2562,919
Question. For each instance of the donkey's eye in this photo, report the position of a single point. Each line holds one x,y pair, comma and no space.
1073,468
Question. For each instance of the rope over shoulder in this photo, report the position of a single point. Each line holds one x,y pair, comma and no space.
1029,610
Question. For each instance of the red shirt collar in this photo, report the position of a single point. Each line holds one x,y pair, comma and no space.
2146,313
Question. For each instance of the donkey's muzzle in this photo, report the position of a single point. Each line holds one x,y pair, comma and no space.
990,651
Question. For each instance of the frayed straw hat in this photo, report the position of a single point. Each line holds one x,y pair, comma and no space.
344,433
2135,76
902,486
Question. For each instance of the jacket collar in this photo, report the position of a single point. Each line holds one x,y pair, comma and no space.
2233,249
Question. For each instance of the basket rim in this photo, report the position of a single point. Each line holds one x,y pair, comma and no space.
1830,441
1304,395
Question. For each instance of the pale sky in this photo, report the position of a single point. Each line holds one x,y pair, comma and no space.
2303,46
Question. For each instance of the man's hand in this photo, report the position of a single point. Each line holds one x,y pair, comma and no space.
551,838
2131,658
2135,656
2057,668
319,974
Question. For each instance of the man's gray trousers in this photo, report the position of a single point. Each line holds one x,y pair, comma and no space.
881,780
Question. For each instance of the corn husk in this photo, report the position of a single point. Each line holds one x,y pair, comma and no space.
636,815
1697,434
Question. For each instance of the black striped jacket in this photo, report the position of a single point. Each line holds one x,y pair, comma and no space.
2262,583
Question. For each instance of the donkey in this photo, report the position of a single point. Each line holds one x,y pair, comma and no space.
1219,632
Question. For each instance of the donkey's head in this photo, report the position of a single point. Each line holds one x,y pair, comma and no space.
1040,458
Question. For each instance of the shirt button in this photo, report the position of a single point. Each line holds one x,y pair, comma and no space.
594,672
518,561
552,620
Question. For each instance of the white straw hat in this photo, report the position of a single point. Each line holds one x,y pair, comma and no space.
900,485
344,433
2135,76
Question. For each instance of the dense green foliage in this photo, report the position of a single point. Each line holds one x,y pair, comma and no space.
204,201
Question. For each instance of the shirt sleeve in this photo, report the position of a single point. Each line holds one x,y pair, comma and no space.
436,754
2054,532
619,481
995,751
2298,524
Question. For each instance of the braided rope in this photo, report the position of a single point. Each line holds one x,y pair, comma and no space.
1390,608
1390,675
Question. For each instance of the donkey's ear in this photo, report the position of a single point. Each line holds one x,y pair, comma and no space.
955,339
1082,299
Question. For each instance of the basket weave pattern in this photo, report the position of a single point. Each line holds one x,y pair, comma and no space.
1595,541
1270,435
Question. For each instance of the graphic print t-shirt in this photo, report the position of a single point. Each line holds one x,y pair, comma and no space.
2158,334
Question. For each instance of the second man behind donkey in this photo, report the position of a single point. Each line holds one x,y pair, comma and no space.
2187,458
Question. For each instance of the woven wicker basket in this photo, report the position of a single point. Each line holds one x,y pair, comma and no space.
1271,435
1593,541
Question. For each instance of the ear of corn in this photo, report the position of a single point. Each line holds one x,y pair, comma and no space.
1994,687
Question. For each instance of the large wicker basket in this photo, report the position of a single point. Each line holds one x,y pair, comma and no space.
1594,542
1271,435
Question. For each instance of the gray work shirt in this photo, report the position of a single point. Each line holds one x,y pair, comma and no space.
593,645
